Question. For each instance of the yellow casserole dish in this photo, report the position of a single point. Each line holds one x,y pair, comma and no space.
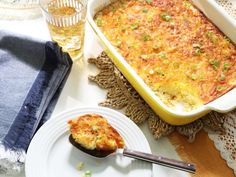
177,115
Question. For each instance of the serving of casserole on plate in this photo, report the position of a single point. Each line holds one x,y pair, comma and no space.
174,56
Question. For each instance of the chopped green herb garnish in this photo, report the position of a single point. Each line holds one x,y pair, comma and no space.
113,9
219,88
222,77
145,10
209,34
187,4
80,166
193,76
162,55
146,37
198,51
99,21
149,1
213,38
88,173
149,19
172,23
165,16
203,78
195,66
226,66
135,26
117,44
215,64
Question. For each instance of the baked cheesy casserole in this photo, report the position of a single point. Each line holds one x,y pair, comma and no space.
173,47
93,132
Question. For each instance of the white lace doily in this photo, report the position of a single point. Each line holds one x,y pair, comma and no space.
226,142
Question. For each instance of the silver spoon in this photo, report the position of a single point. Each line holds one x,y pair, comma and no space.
176,164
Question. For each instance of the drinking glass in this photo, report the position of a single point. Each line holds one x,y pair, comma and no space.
66,23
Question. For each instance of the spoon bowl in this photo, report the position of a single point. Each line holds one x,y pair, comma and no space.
176,164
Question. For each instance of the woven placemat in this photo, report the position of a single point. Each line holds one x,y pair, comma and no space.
121,95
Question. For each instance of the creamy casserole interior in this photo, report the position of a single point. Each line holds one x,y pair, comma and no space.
173,47
93,132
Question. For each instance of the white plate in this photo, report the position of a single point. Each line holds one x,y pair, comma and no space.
51,155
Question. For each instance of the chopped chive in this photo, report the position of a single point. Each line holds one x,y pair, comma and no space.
219,88
114,9
99,21
209,34
135,26
149,1
213,38
88,173
146,37
172,24
226,66
198,51
215,64
193,76
145,10
187,4
222,77
117,44
203,78
150,19
165,16
162,55
80,166
195,66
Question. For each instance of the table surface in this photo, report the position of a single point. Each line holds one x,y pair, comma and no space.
78,91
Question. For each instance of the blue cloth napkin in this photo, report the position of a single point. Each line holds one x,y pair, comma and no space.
32,74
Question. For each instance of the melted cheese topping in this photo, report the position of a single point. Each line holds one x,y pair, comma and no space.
173,47
92,131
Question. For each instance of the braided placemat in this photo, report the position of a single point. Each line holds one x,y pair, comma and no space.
121,95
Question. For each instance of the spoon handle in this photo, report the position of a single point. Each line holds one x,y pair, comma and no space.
176,164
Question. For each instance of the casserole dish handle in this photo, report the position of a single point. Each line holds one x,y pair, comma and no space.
225,103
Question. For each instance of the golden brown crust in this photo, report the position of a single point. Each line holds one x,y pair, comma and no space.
173,47
92,131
